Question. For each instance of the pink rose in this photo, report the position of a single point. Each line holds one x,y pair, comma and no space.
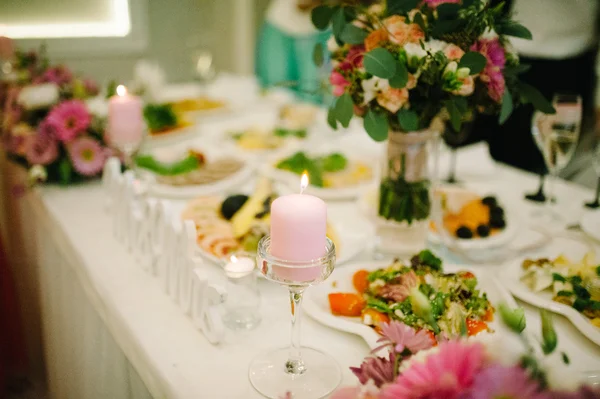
453,52
392,99
338,82
397,28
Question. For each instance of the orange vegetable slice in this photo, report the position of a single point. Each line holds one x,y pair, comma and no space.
346,304
360,282
374,318
474,327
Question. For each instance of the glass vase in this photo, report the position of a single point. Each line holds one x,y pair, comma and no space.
408,173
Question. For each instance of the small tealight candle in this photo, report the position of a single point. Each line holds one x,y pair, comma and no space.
239,267
298,231
125,119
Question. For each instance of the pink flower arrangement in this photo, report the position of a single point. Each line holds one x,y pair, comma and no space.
492,74
69,119
62,130
459,368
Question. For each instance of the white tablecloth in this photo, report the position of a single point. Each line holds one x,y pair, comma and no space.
111,332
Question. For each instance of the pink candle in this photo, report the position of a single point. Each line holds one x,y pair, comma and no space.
298,227
125,119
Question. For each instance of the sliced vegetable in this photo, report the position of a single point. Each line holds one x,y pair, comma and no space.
474,327
374,318
344,304
360,281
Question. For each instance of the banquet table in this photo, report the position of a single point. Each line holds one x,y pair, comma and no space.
110,331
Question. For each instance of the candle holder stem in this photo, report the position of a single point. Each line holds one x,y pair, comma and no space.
295,364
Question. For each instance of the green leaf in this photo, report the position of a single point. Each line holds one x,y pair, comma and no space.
442,27
447,11
353,34
468,3
418,19
513,318
514,70
558,277
399,80
474,61
344,109
380,62
461,103
455,116
338,22
409,121
516,30
507,107
532,95
549,338
331,119
400,6
65,170
321,16
376,125
318,54
179,167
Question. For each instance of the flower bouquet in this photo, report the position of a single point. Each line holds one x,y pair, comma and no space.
50,122
408,66
486,366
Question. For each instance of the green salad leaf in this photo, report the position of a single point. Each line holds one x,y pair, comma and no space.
185,165
283,132
333,162
160,117
300,162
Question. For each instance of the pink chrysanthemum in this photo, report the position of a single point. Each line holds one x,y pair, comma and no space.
492,73
69,118
505,382
400,337
43,150
445,374
435,3
380,370
87,156
60,75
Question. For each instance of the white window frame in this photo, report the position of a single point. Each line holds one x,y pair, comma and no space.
126,34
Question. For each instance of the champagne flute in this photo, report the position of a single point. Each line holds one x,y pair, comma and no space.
596,163
557,136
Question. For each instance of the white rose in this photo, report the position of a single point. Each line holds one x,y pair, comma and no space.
489,34
414,50
435,45
37,173
372,86
450,68
38,96
332,45
97,106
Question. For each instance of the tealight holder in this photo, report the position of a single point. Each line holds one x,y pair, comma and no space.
300,371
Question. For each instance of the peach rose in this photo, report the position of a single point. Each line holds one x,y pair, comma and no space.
392,99
375,39
415,33
453,52
398,29
467,87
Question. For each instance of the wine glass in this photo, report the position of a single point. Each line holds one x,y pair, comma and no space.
300,371
596,164
556,136
454,140
203,65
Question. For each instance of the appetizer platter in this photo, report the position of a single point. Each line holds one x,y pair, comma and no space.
238,222
564,284
358,298
332,175
186,172
474,221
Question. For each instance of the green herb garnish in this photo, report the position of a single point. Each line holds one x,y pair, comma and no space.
565,293
558,277
185,165
282,132
333,162
427,258
160,117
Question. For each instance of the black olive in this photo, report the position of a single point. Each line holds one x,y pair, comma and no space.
464,232
497,210
232,204
490,201
498,222
483,230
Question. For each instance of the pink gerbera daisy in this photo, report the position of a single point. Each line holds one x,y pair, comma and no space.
43,150
443,375
400,337
87,156
69,119
497,382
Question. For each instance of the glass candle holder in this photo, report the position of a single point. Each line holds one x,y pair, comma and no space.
300,371
242,306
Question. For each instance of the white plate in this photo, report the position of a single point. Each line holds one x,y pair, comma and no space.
292,180
167,154
590,224
317,303
510,277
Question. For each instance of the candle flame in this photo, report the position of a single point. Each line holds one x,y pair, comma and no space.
121,90
233,259
303,182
